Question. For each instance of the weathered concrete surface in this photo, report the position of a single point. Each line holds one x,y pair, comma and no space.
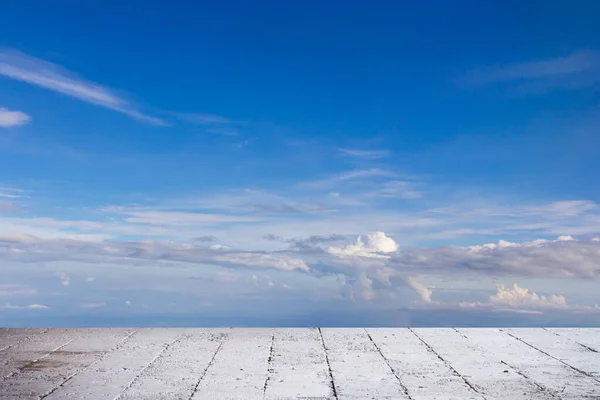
285,364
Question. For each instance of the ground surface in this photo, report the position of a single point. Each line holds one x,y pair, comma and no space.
248,364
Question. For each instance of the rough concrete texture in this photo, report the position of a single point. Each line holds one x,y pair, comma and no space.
285,364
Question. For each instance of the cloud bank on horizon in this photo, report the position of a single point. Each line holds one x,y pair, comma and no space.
308,180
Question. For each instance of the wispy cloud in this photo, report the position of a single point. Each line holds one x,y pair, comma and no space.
577,71
396,189
146,251
92,305
30,307
22,67
16,290
12,118
10,193
363,173
365,154
211,123
345,177
174,218
575,63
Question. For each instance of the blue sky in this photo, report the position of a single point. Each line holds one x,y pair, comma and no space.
280,163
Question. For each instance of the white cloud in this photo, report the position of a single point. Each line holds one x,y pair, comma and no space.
37,306
8,290
549,259
565,238
12,118
10,193
29,307
127,302
396,189
517,300
28,249
423,291
364,286
374,245
364,173
64,278
21,67
365,154
346,177
564,208
92,305
521,297
214,124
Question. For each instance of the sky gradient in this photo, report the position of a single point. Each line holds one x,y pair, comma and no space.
299,163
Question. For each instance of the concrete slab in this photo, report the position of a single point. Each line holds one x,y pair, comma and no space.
285,364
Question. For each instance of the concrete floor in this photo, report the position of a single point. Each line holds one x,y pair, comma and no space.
247,364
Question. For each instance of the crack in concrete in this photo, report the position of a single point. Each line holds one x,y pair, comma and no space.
469,384
269,360
165,348
332,382
539,386
587,347
73,375
195,389
575,341
551,356
404,388
460,333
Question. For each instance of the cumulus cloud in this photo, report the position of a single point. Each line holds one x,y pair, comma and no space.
522,297
423,291
22,67
541,258
373,245
357,287
380,261
516,299
12,118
